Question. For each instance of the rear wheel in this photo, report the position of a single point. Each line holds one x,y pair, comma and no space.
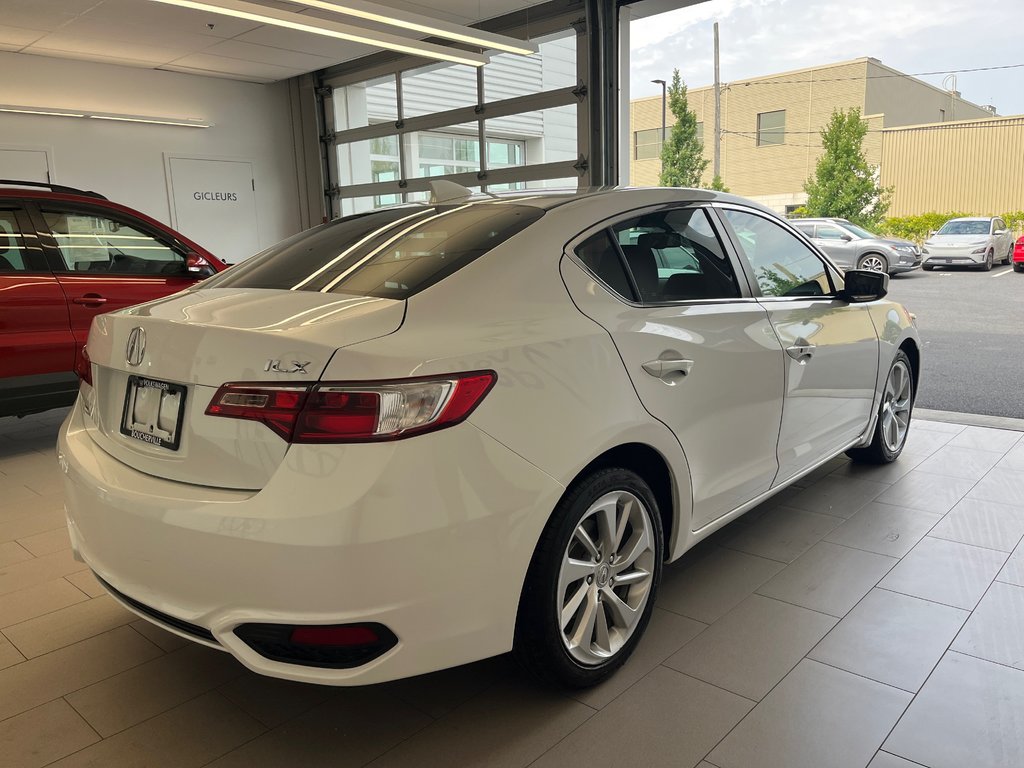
1009,255
590,589
927,267
873,261
1018,266
894,414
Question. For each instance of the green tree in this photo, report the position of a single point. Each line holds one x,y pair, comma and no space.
682,156
844,185
718,185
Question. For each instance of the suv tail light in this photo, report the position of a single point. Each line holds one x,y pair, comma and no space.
357,412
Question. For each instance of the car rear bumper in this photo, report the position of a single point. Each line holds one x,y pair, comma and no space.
430,536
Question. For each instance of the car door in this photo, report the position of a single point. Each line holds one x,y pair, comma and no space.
36,345
104,260
1004,240
830,346
697,346
837,245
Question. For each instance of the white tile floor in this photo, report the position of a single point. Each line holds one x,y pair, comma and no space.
869,617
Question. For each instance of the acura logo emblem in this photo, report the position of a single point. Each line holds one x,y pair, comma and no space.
136,349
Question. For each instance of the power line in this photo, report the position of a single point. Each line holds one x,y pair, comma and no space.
775,81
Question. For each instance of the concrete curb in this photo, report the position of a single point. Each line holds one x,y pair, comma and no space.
971,419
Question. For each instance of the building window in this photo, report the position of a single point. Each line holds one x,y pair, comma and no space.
771,128
647,144
700,132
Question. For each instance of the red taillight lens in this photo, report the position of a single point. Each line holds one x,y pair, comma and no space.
83,367
277,407
341,413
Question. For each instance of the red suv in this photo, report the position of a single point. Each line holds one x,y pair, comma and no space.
65,256
1018,255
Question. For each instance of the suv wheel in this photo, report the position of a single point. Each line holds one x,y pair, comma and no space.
873,261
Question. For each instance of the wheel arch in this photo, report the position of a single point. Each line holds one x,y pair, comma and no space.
910,349
652,466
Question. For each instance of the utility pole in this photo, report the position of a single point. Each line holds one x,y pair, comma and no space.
717,165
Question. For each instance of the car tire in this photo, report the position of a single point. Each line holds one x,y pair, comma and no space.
1009,256
987,266
894,413
927,267
876,262
573,575
1018,267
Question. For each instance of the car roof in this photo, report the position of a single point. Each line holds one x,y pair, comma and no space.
972,218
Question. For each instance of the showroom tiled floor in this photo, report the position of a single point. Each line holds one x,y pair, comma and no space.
871,617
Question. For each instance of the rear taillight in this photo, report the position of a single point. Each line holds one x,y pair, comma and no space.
83,367
342,412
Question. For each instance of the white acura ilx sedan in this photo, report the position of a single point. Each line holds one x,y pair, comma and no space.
424,435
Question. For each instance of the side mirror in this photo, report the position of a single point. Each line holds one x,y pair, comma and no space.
932,232
198,266
845,237
1000,232
860,285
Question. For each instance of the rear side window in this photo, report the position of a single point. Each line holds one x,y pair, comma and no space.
12,245
601,257
391,254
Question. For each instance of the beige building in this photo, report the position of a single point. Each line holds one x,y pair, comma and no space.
771,125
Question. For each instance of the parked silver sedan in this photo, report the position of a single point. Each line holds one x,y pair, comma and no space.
976,242
853,247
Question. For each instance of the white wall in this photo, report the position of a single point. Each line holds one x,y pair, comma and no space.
125,161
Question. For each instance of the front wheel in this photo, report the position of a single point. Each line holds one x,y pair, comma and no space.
589,592
894,413
927,267
1018,266
873,261
987,266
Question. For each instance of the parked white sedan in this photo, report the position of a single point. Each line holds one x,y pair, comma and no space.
421,436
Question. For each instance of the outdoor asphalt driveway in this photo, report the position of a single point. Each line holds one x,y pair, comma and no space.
972,327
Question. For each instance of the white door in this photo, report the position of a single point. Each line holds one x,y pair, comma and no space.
24,165
701,354
214,204
830,346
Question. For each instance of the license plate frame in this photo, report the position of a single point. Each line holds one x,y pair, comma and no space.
150,432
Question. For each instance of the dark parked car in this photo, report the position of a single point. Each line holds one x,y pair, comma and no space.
67,255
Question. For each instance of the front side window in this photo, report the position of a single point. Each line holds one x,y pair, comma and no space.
782,265
771,128
675,255
825,232
392,253
997,225
91,242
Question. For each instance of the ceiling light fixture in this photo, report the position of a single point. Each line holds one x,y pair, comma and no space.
266,15
418,23
185,122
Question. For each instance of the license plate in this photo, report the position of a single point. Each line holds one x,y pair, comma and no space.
153,412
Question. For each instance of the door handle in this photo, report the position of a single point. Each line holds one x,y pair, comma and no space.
89,299
662,369
801,352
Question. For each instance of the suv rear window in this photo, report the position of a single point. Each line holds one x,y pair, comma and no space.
392,253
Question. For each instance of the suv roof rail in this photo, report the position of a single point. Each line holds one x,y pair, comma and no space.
52,187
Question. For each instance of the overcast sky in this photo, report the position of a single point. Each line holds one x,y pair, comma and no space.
761,37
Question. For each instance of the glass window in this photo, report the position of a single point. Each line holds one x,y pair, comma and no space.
782,265
647,143
392,253
771,128
675,256
700,131
807,229
94,243
599,254
12,244
826,232
964,227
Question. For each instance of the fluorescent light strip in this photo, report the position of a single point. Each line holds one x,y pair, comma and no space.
265,15
418,23
183,122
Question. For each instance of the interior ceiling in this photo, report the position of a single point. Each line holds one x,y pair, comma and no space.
139,33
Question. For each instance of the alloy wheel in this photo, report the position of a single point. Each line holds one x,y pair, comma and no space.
874,263
606,576
896,401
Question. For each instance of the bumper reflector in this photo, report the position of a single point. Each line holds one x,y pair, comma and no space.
335,646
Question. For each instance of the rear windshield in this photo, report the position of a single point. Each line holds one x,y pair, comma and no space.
391,254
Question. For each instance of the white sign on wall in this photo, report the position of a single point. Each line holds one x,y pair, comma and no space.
19,164
214,203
